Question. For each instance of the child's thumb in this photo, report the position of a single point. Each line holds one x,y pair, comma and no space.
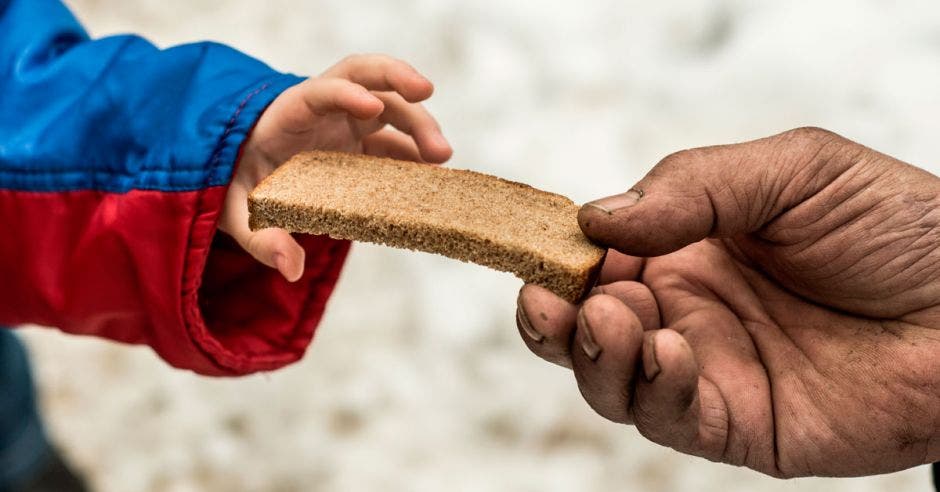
717,191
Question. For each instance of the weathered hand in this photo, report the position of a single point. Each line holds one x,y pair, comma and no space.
347,108
792,321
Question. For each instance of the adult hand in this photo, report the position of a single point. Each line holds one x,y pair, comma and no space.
781,309
347,108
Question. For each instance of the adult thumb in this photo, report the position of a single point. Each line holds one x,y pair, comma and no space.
720,191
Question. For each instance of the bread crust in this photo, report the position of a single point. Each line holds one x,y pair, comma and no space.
461,214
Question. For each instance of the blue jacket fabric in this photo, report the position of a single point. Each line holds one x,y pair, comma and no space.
117,113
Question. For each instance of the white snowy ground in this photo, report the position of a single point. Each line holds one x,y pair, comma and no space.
417,379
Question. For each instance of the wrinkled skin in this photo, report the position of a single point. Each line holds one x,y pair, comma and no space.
780,310
367,104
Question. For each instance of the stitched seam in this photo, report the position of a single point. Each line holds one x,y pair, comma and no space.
224,358
193,320
132,181
217,153
16,170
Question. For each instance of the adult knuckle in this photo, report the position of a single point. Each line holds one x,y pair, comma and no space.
668,167
681,158
814,145
806,151
811,133
691,173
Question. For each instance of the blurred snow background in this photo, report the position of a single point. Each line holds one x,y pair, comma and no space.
417,379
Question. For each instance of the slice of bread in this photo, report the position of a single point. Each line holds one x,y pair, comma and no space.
461,214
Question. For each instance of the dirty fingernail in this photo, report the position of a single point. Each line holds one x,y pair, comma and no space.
611,204
650,365
522,321
587,342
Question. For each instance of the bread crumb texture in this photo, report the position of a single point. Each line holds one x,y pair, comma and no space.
461,214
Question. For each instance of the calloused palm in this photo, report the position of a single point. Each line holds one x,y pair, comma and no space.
786,317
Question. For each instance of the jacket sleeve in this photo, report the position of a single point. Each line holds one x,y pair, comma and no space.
115,157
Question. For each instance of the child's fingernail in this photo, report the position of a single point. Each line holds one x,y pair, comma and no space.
588,344
611,204
650,365
425,80
522,321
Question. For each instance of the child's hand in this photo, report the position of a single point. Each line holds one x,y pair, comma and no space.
347,108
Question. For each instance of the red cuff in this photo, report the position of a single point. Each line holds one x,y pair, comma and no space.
243,315
147,267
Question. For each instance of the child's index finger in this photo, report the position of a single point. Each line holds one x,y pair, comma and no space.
384,73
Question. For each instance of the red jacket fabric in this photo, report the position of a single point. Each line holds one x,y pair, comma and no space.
115,158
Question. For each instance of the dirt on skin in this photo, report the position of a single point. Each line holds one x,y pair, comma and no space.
417,380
